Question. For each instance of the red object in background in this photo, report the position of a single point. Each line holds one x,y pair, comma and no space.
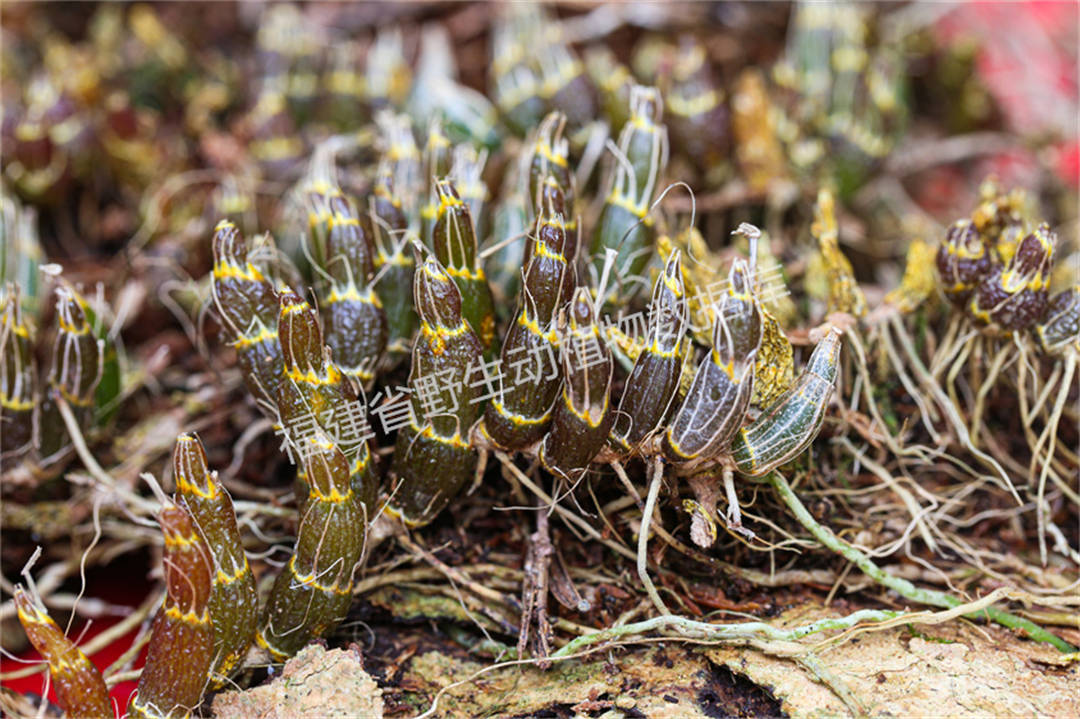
1068,163
936,191
118,583
1014,168
1027,58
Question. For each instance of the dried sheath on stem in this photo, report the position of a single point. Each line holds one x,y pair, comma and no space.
713,409
77,365
17,379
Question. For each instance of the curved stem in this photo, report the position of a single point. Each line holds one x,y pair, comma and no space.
742,631
902,586
657,468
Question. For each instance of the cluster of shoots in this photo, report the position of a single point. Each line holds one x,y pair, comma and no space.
420,315
148,93
79,382
545,386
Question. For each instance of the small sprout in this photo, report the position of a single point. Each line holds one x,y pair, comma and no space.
1014,296
963,259
625,225
248,306
312,594
233,600
520,412
181,646
1060,327
78,683
583,415
651,389
454,242
433,458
